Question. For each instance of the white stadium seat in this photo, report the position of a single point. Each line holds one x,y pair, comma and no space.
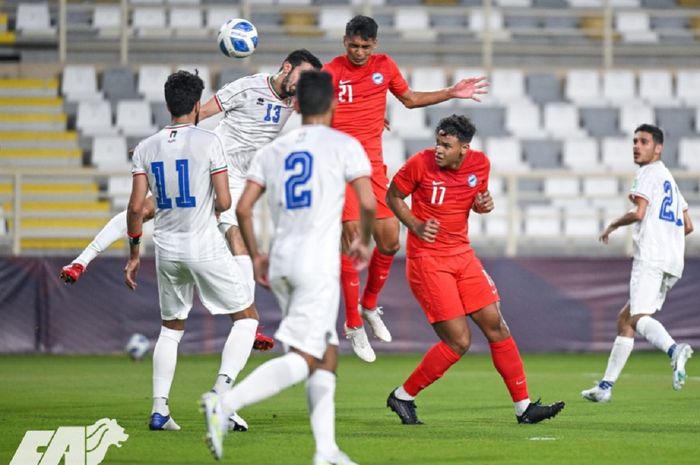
393,151
523,120
408,122
633,114
95,118
505,154
616,153
635,27
34,19
332,20
507,85
110,152
134,118
656,87
689,154
79,83
542,221
217,14
583,87
581,154
562,120
619,86
187,22
414,23
600,186
107,20
688,86
582,222
561,186
149,22
151,80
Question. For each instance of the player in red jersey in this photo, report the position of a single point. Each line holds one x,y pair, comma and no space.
362,80
445,275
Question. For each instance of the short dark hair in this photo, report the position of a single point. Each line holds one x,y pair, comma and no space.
302,55
182,90
362,26
456,125
315,92
656,133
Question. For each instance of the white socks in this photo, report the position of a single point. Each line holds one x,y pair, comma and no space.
236,351
164,362
401,394
621,350
654,332
246,265
267,380
320,395
521,405
114,230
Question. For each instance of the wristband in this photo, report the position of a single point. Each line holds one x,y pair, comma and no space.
134,239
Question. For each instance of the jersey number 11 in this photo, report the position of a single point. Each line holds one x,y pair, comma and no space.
184,199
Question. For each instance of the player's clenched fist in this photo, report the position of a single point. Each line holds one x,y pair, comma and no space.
428,230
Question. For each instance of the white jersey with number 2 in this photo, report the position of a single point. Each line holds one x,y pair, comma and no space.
659,238
305,172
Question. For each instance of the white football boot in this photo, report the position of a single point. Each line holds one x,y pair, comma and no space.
597,394
360,343
374,319
215,423
680,356
339,458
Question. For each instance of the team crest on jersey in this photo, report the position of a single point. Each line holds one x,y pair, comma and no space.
377,78
471,180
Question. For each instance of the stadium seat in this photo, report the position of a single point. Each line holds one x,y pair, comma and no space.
228,75
616,154
581,222
582,86
110,152
393,152
409,122
464,73
79,83
477,22
428,78
216,15
414,23
689,153
523,120
95,118
561,186
656,87
619,86
507,85
134,118
107,20
676,122
187,22
151,80
505,154
542,154
561,120
149,22
161,115
635,27
632,115
119,83
332,20
600,121
600,186
688,86
543,87
34,19
542,221
581,154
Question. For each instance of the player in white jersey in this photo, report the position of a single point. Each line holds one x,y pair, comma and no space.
661,222
185,167
304,173
256,108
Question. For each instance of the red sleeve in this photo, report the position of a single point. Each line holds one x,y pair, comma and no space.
408,177
397,84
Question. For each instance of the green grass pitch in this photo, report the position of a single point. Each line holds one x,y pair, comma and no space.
468,414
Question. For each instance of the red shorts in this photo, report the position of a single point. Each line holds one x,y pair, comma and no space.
450,287
380,185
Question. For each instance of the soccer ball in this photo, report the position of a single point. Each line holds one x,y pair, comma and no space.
138,346
238,38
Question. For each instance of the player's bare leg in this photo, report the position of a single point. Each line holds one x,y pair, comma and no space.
506,358
240,255
114,230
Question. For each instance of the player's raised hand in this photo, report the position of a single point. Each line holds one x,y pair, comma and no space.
606,235
359,253
483,202
428,230
130,271
470,88
261,266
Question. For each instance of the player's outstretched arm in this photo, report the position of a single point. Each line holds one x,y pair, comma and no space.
244,213
632,216
210,108
470,88
427,230
134,220
687,223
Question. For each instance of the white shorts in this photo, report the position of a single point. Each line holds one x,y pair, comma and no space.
309,312
648,288
236,184
220,285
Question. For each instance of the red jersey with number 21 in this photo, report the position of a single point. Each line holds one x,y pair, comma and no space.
445,195
361,93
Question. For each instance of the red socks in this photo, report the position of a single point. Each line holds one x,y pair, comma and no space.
350,282
508,363
435,363
377,274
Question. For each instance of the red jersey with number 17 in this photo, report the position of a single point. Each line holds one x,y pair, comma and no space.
361,92
445,195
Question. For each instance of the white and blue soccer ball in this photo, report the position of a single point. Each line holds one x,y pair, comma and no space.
138,346
238,38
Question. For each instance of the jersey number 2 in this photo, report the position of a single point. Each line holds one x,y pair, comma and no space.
184,199
294,193
666,213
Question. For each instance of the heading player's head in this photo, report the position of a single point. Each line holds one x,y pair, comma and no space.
648,143
452,138
360,39
183,90
315,96
296,62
